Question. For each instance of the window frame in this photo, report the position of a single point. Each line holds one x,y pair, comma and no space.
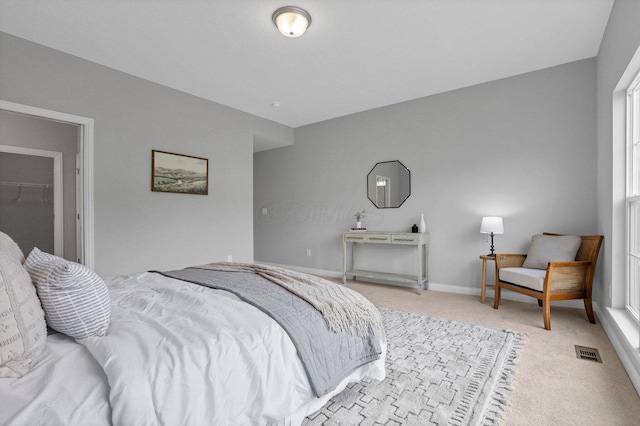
632,201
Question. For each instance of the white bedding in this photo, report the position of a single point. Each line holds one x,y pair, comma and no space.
65,387
176,353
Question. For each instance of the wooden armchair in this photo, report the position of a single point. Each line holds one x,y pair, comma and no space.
560,281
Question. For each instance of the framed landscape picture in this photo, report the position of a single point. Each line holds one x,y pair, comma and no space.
179,173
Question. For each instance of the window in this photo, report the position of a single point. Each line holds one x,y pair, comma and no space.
633,198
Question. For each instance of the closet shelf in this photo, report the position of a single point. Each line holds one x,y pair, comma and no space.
27,185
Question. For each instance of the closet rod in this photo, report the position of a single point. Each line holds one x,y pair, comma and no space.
27,185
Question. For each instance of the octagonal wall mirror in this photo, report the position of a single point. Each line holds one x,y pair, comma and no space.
388,184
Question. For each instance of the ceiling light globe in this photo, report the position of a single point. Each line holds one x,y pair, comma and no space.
291,21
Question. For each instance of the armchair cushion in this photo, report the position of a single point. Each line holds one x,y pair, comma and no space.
525,277
551,248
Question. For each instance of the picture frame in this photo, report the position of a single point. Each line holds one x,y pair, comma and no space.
179,173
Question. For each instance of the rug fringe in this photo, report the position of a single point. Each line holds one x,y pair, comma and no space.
499,401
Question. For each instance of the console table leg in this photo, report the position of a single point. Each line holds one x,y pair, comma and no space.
344,263
419,267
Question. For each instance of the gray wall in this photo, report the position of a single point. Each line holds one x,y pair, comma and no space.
619,44
523,148
37,133
136,229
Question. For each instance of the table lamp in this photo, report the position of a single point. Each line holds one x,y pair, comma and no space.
492,225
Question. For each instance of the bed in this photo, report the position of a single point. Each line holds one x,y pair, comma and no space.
179,351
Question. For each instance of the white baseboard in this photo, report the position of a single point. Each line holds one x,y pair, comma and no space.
504,294
623,334
446,288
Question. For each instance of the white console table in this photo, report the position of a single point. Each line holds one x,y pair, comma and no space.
420,241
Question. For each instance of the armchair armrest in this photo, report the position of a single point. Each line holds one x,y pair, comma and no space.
509,260
568,277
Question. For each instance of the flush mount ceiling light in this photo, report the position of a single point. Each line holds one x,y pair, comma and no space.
291,21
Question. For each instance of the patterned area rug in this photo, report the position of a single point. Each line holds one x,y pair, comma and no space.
439,372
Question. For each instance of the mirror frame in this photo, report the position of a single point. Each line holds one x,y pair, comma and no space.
408,189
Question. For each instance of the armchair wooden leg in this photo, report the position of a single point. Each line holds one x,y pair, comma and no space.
546,313
589,308
496,296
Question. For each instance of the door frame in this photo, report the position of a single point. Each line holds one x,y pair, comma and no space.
58,190
387,191
85,215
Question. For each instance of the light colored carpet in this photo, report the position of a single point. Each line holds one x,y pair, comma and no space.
552,386
438,372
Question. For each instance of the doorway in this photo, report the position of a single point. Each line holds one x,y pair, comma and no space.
83,172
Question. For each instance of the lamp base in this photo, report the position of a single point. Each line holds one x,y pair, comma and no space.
492,254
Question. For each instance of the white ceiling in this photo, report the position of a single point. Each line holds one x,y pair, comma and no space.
357,54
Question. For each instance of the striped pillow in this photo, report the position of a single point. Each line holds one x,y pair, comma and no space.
75,299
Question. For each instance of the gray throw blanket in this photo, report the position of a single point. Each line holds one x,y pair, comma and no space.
327,356
342,308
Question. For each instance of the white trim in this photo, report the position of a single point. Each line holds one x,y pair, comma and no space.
632,198
445,288
504,294
86,151
58,190
616,322
77,222
621,331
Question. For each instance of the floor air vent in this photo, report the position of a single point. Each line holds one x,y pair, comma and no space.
590,354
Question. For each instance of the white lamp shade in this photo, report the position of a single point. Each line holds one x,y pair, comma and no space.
492,224
291,21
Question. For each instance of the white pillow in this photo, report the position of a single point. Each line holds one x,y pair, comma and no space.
23,331
10,247
551,248
75,299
